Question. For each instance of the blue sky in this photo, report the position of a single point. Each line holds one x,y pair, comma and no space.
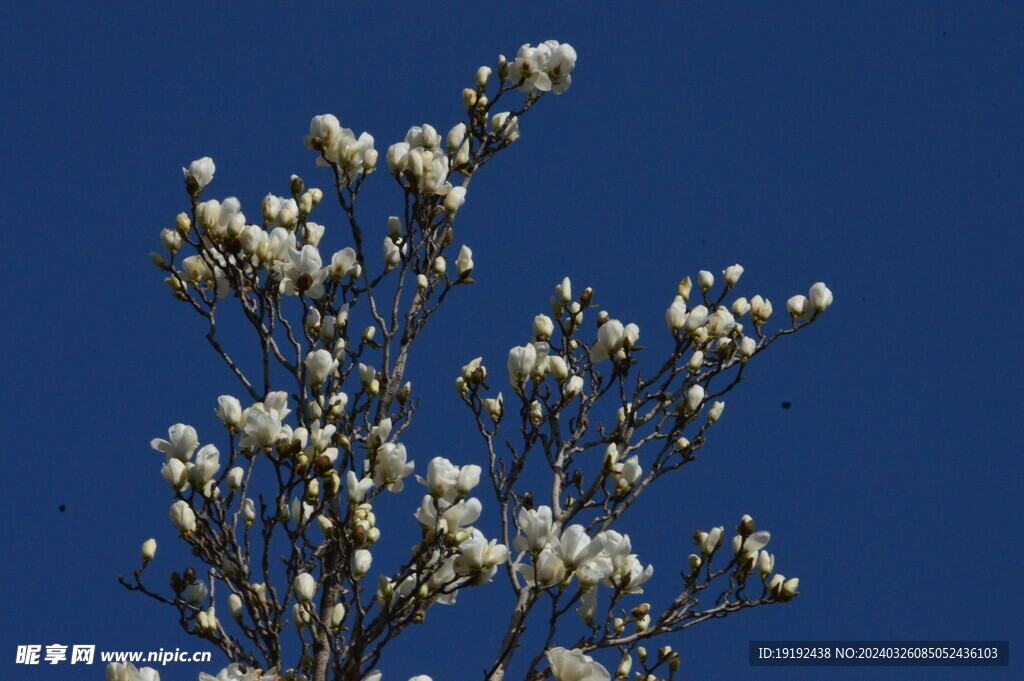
876,146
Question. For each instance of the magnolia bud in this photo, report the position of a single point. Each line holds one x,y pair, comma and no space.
765,564
796,306
715,412
695,362
305,587
760,309
159,261
732,274
234,477
148,550
685,286
421,282
395,228
469,98
695,562
694,397
361,562
706,280
564,291
454,200
182,223
235,607
543,327
820,297
440,265
337,615
482,75
740,307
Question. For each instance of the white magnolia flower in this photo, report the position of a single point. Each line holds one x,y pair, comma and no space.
521,361
304,273
229,410
626,474
798,307
469,477
200,171
357,488
464,263
361,562
452,517
183,518
442,475
720,323
262,427
391,467
574,386
732,274
176,474
181,443
537,527
820,297
305,587
576,547
752,544
319,365
760,309
506,126
148,551
341,147
342,263
454,200
675,316
694,397
546,67
573,665
696,319
610,338
705,280
206,465
477,554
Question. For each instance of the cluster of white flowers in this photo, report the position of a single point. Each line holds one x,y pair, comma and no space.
339,146
546,67
557,556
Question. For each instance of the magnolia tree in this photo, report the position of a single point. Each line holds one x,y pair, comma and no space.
281,513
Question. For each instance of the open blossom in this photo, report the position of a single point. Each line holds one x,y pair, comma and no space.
391,467
476,554
452,515
304,273
537,528
546,67
262,426
319,365
341,147
182,441
610,338
573,665
442,475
